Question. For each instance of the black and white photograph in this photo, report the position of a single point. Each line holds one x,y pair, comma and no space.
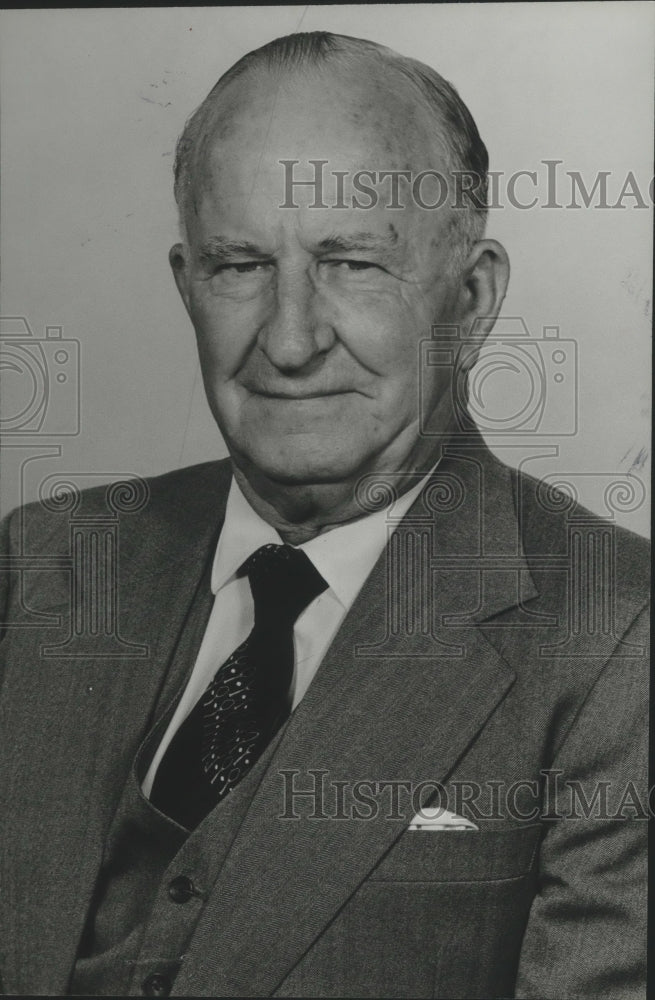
325,435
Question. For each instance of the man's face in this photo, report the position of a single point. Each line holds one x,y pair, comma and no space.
309,319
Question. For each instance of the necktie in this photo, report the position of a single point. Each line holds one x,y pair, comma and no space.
248,699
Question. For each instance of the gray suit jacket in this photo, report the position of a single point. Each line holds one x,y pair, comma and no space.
497,651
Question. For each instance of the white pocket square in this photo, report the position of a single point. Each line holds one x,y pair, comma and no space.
432,818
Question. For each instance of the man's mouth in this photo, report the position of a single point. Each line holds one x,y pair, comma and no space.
295,394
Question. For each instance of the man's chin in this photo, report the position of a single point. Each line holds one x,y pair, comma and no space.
301,469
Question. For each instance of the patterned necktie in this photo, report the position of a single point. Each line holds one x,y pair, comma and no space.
248,699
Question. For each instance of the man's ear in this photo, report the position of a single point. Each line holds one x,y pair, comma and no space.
484,281
177,257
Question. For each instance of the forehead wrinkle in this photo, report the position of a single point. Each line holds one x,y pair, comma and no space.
231,111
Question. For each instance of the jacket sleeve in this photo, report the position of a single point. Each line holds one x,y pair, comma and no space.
586,934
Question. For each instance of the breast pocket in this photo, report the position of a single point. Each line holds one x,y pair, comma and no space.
484,855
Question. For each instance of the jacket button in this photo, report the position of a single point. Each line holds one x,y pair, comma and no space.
156,985
181,889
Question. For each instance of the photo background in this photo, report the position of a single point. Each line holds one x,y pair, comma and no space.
92,104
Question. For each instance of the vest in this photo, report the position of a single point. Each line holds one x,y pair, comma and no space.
155,876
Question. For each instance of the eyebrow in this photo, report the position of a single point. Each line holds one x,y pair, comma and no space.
220,248
357,241
223,249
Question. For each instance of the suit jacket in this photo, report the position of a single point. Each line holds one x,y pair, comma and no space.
496,649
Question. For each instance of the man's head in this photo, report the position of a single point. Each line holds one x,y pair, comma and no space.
452,124
309,318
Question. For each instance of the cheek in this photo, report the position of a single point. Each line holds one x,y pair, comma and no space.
225,332
383,331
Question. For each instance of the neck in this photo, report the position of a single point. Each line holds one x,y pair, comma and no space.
301,511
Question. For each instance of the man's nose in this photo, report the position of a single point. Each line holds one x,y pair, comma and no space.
297,331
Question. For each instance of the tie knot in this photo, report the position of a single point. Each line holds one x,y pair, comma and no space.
283,581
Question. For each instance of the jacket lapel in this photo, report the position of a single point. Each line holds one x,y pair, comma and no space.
384,706
70,729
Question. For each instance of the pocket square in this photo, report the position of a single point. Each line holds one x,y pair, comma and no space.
431,819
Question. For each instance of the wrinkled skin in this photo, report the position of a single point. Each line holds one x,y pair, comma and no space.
309,320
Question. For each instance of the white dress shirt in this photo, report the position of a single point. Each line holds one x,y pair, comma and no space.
344,556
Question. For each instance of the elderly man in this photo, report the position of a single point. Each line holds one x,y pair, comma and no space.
377,725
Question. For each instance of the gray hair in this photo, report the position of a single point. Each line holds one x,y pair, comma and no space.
467,152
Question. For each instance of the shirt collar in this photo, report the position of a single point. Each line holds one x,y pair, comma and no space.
243,532
344,556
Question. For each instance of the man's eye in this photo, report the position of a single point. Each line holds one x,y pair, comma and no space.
352,265
247,267
243,278
354,271
348,273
